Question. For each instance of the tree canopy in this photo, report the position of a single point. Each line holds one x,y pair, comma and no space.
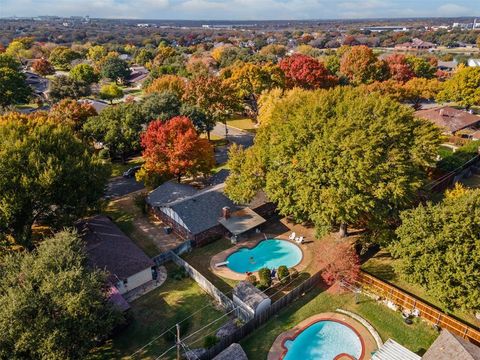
13,87
438,248
115,69
336,157
463,87
62,87
306,72
52,306
84,73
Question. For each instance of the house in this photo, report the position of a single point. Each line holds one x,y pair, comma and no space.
200,215
98,105
447,66
451,120
448,346
38,83
416,44
109,249
250,298
138,74
233,352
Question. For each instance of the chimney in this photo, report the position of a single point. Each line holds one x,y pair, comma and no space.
226,212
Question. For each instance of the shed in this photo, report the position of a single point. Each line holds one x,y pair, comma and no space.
391,350
233,352
250,298
449,346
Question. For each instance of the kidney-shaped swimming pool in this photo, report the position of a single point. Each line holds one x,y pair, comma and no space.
270,253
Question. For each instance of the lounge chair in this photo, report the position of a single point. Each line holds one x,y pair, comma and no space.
292,236
221,264
299,240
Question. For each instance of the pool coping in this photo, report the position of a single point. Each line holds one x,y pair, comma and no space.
226,272
278,349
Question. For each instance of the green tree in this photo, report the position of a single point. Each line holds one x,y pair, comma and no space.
96,53
118,128
160,106
463,87
421,67
62,57
62,87
84,73
52,306
13,87
110,92
337,158
49,176
115,69
438,248
8,61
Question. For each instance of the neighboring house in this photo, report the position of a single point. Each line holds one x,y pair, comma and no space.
38,83
250,298
97,104
416,44
449,346
198,215
452,121
109,249
233,352
473,62
447,66
138,74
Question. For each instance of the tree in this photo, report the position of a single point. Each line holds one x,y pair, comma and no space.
43,67
274,49
118,128
250,80
212,96
115,69
361,66
422,67
344,264
13,87
306,72
337,158
110,92
399,67
96,53
463,87
438,249
199,119
49,176
62,57
84,73
52,305
143,56
392,88
160,106
62,87
10,62
174,149
167,83
71,113
417,90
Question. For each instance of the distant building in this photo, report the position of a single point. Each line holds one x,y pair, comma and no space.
395,28
447,66
416,44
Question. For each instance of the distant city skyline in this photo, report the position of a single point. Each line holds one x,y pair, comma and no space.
241,9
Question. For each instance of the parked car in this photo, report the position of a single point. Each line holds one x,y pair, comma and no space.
131,172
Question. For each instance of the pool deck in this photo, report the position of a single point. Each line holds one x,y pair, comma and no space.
278,351
225,272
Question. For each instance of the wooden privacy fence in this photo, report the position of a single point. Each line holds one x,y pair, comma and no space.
427,312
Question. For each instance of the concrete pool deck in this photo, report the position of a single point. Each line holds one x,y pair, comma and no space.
226,272
278,351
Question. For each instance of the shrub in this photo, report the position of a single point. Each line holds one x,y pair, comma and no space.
104,154
456,159
252,279
140,201
283,273
265,277
210,341
293,273
178,273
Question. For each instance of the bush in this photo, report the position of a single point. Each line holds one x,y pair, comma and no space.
210,341
293,273
170,336
456,159
140,201
252,279
265,277
104,154
283,273
178,273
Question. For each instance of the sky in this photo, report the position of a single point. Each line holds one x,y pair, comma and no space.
242,9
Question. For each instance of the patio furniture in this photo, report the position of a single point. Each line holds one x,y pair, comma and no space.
299,240
292,236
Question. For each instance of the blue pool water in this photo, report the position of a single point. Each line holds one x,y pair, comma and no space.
270,253
324,340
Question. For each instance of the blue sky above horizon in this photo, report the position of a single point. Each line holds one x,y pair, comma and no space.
242,9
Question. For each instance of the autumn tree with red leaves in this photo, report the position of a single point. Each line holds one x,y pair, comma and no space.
43,67
306,72
71,113
174,149
399,68
345,264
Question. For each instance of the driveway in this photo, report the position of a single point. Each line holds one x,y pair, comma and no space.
236,136
120,186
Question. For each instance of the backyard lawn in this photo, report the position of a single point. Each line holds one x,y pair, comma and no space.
157,311
389,324
118,168
383,266
242,124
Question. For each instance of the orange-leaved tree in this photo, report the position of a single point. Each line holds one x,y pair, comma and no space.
174,149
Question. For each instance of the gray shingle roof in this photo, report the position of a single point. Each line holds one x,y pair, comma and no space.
110,249
168,192
233,352
449,346
249,294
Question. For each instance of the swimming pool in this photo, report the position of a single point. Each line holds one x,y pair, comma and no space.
324,340
270,253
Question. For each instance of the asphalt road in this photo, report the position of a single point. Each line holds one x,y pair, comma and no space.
236,136
120,186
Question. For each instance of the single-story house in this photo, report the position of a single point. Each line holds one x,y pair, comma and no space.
451,120
109,249
251,299
448,346
416,44
447,66
138,74
391,350
38,83
200,215
233,352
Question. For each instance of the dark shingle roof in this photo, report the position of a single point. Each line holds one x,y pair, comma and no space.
249,294
233,352
449,346
110,249
168,192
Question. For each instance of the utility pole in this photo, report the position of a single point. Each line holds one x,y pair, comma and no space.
178,341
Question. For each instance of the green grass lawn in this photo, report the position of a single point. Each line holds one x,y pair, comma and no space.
383,266
118,168
243,124
157,311
199,258
389,324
